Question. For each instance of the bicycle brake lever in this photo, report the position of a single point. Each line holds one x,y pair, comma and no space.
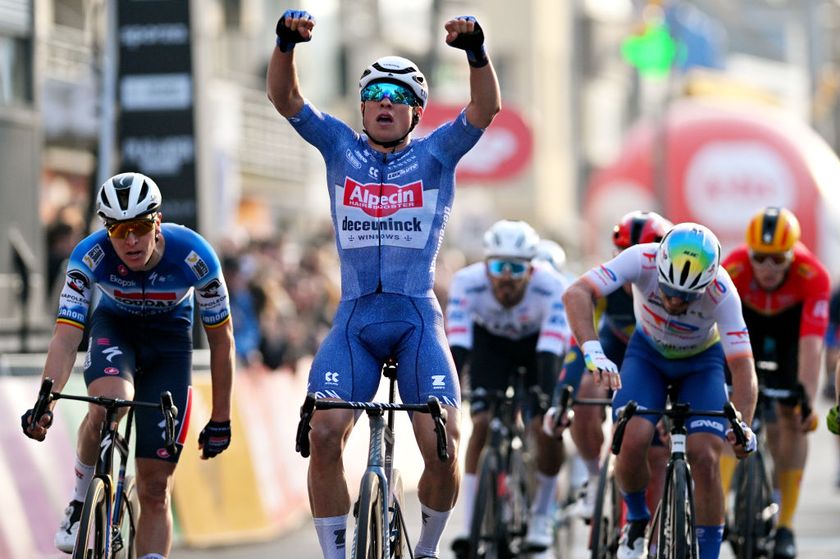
734,418
303,429
44,399
626,413
439,414
170,412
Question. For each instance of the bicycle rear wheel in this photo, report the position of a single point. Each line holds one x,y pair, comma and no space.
606,518
753,495
369,541
485,533
124,545
92,540
398,532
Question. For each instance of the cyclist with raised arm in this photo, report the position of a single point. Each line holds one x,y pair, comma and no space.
688,322
504,313
391,196
784,291
616,324
145,275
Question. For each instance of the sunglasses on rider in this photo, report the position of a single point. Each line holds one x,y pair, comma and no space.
398,94
139,226
515,268
776,259
685,296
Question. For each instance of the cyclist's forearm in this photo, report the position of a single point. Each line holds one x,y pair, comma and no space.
744,387
485,98
222,359
580,310
61,354
282,83
810,356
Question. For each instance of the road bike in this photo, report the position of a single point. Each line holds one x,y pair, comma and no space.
108,525
752,511
503,496
380,526
672,532
608,514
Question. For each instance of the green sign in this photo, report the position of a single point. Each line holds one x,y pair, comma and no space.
652,52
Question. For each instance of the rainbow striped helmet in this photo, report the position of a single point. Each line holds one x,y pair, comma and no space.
688,258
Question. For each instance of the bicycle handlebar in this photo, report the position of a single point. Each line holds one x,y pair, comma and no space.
632,408
166,407
311,404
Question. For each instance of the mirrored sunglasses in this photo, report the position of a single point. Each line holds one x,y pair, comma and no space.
516,268
398,94
686,296
775,259
139,226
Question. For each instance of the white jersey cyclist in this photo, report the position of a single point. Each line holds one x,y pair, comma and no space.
541,310
715,316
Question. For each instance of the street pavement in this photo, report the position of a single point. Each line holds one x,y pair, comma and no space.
817,524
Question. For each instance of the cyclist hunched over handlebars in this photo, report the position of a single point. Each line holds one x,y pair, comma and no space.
688,323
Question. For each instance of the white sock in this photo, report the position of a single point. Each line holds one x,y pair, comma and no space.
332,535
434,522
84,474
545,494
468,488
593,466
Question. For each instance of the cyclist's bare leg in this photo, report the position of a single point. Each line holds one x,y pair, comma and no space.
154,489
480,423
550,451
438,487
87,445
657,463
328,495
790,461
631,466
587,428
704,451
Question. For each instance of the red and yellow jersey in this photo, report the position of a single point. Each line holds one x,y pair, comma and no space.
806,284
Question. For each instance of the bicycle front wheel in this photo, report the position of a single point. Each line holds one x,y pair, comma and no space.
677,537
486,530
606,518
369,543
123,542
92,539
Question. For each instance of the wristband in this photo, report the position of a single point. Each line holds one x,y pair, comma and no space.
477,58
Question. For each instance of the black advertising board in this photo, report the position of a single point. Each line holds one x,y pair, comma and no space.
155,93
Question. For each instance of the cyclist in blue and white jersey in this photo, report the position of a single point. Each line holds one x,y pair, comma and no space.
506,312
139,277
688,323
391,196
616,322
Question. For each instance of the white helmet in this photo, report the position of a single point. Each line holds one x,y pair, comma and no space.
396,69
688,258
551,252
512,239
126,196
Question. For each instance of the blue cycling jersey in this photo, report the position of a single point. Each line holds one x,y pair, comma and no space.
389,210
165,292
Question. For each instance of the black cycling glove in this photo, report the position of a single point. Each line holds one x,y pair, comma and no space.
472,43
26,421
214,438
286,38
